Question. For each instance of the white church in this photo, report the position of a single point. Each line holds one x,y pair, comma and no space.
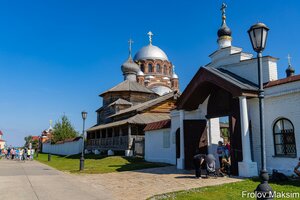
228,87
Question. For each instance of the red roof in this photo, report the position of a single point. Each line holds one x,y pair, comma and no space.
2,140
283,81
158,125
1,133
35,138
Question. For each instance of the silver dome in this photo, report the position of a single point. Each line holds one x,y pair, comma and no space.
140,73
129,67
161,90
150,52
174,76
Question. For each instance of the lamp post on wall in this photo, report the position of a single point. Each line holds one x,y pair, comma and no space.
258,34
81,167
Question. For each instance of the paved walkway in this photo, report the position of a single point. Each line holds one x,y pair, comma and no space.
142,184
34,181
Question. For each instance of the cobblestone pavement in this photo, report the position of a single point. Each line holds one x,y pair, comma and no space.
142,184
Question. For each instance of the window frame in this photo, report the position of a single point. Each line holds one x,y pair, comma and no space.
150,68
284,142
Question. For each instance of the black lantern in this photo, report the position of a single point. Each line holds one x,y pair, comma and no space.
258,35
83,114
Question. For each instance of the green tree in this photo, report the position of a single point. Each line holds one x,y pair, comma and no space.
28,140
34,143
63,130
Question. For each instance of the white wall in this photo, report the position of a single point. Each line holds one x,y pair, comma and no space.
242,64
68,148
279,103
154,148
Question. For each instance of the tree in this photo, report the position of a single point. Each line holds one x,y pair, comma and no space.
28,140
63,130
34,143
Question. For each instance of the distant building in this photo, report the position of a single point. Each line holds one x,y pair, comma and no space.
47,133
146,95
2,142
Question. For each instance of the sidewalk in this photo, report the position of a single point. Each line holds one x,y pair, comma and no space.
32,180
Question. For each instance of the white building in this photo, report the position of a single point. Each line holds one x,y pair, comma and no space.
2,142
228,87
160,146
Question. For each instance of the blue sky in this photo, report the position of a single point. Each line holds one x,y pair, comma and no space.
57,56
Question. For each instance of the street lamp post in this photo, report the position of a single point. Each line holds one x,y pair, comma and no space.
81,167
258,35
49,154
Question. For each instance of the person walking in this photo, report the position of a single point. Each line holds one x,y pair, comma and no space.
25,154
31,154
13,153
21,154
28,154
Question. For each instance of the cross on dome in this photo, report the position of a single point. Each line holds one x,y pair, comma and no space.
150,34
130,42
289,59
224,6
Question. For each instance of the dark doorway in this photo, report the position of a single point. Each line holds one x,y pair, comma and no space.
195,138
228,106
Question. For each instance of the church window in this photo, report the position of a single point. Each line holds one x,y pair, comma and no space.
150,68
165,69
157,68
284,138
142,68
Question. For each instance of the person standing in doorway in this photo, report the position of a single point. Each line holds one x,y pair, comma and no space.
220,152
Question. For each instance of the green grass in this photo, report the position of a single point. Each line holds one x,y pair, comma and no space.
230,191
96,164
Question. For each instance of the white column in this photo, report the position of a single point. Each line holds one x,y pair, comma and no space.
180,161
245,129
247,168
129,152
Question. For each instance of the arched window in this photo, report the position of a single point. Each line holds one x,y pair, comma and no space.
157,68
150,68
284,138
142,68
165,69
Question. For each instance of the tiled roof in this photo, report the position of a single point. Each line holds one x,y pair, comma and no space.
158,125
35,137
144,118
1,133
283,81
145,105
128,86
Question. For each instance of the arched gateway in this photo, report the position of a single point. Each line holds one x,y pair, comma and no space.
220,93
